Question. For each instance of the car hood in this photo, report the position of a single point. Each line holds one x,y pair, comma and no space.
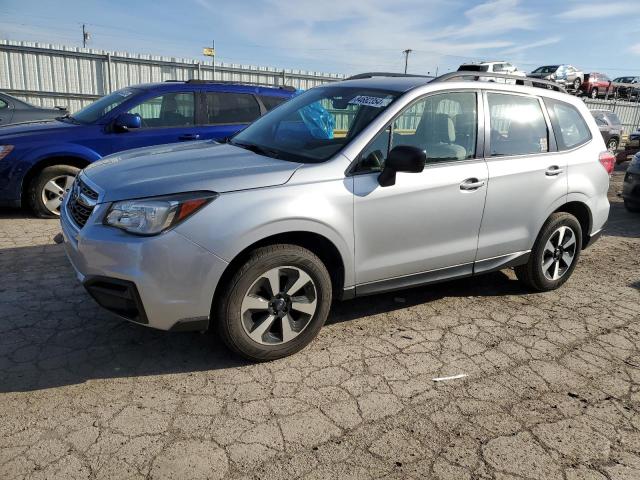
176,168
43,127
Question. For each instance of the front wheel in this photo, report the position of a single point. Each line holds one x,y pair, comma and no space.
594,93
275,303
554,255
48,188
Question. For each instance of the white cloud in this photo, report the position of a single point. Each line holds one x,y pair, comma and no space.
589,11
635,49
530,46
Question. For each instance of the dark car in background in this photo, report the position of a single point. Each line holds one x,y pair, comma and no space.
627,87
596,85
631,185
566,75
39,160
14,110
610,127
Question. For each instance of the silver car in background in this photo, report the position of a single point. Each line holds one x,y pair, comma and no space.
364,186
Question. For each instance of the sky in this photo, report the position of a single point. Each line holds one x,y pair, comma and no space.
346,36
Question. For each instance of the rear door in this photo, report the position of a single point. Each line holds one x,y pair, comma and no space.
527,176
227,112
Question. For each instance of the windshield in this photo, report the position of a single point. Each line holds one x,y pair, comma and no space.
547,69
315,125
98,109
624,80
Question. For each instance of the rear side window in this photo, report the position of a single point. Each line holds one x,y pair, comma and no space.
568,125
518,126
3,104
228,108
272,102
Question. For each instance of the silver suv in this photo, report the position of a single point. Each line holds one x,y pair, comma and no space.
372,184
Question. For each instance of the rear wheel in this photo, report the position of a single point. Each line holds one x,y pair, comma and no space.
554,255
576,84
594,93
48,188
275,304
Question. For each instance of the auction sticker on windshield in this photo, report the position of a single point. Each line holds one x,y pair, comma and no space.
367,101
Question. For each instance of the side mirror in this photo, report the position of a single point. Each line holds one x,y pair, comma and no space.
402,158
126,121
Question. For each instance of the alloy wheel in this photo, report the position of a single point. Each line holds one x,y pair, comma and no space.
559,253
54,190
279,305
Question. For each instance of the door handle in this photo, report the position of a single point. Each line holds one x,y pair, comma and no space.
553,170
189,136
471,184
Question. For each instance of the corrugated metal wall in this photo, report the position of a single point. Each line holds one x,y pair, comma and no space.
50,75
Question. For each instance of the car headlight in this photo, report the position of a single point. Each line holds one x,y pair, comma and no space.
5,150
151,216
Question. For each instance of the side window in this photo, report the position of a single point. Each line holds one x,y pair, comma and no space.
518,126
3,104
228,108
272,102
570,128
443,125
169,110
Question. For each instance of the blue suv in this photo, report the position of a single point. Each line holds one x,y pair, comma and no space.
39,160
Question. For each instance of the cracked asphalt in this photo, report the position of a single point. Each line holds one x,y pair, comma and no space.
552,388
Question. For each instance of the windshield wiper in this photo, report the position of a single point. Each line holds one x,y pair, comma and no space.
260,150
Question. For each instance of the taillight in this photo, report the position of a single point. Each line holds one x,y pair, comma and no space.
608,161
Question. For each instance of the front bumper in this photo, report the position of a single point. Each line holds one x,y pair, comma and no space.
165,281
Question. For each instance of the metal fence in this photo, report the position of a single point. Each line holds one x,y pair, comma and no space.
50,75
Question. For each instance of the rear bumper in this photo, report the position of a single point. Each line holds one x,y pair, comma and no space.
165,281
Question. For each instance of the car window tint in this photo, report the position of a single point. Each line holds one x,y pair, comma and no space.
613,118
444,126
3,104
518,126
228,108
272,102
168,110
570,128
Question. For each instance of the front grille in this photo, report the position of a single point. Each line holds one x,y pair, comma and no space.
82,200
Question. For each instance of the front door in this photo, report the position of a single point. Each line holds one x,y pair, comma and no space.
426,225
167,118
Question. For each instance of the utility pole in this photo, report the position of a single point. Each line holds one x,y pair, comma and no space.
85,36
406,58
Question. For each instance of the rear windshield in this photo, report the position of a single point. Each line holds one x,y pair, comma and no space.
613,118
473,68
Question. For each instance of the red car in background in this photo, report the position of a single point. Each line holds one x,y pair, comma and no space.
596,85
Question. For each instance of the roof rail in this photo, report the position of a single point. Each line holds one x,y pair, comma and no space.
385,74
481,76
287,88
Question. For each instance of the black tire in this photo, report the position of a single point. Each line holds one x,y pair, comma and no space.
631,206
532,274
576,84
36,190
594,93
612,145
227,311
